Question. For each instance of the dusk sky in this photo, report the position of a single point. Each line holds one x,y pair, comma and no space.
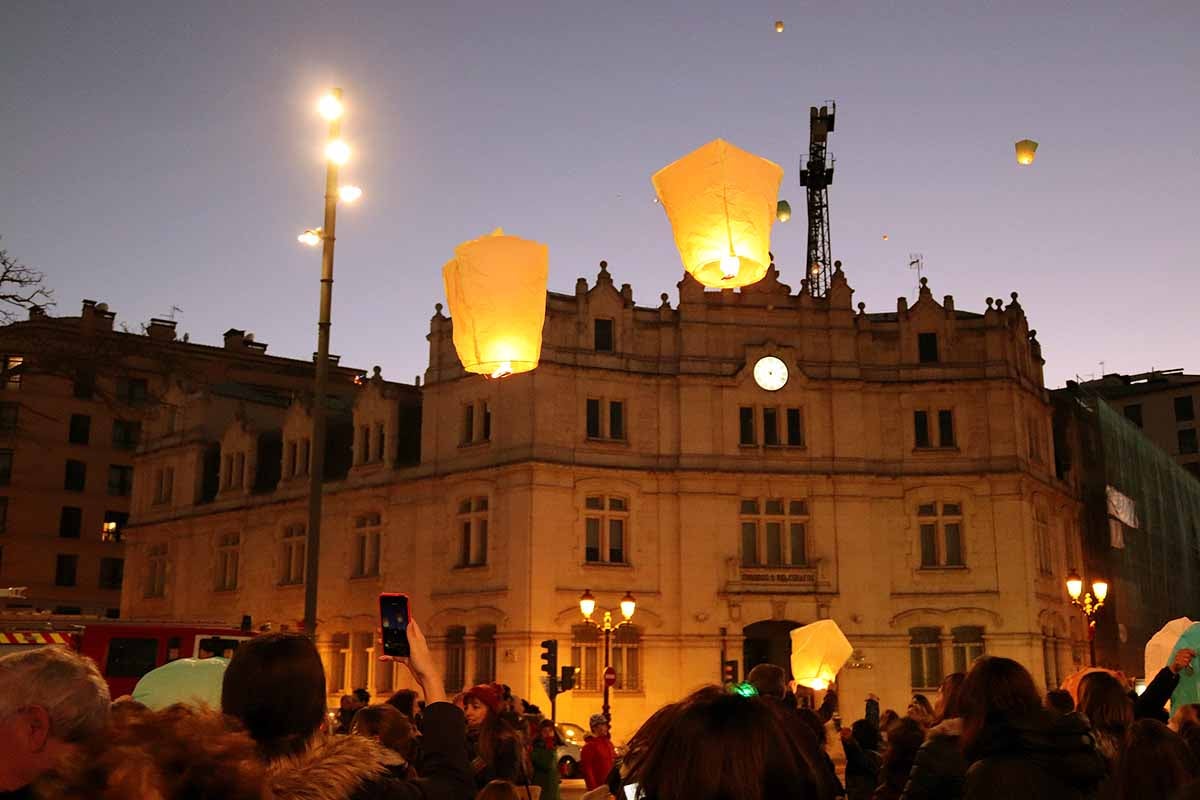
167,154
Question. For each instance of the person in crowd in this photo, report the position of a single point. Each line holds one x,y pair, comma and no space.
496,748
52,701
499,790
921,710
1060,701
1152,702
179,753
1014,747
275,686
939,770
1187,716
347,707
904,740
823,765
393,730
1155,762
598,754
861,743
886,720
769,680
1102,699
363,697
544,759
716,744
404,701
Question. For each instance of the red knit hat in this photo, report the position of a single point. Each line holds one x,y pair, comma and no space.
485,693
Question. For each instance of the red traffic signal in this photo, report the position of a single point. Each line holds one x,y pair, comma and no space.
729,671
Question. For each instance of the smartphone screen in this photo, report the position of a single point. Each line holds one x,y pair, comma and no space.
393,621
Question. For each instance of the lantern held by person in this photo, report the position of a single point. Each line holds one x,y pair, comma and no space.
1026,150
819,650
722,202
496,288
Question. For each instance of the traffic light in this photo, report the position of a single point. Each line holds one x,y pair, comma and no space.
566,681
729,671
550,658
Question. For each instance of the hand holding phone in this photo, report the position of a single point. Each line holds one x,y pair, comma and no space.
393,624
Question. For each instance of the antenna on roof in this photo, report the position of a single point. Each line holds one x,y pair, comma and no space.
916,262
174,310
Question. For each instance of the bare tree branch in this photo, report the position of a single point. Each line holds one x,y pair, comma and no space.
20,288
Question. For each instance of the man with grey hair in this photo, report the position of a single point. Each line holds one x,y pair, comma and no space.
51,700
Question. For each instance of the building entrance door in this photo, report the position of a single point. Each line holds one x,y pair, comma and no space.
768,642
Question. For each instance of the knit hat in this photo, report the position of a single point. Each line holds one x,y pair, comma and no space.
485,693
596,719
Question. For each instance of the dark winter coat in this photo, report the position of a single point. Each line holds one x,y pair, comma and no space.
862,770
1152,701
940,769
545,768
1039,757
357,768
507,765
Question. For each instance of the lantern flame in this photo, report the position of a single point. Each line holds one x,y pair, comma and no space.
730,265
502,371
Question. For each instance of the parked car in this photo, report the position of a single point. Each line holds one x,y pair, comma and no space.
570,737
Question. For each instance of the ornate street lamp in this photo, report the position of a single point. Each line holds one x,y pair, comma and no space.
587,606
1089,602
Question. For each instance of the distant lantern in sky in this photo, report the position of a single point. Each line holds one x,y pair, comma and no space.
496,288
1026,148
885,237
783,211
721,202
779,26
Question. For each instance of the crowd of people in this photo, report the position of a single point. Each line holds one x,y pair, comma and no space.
988,734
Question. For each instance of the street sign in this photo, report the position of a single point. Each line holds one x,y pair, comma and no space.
610,676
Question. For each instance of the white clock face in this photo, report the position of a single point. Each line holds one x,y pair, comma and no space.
770,373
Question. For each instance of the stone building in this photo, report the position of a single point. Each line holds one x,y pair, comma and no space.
75,398
896,475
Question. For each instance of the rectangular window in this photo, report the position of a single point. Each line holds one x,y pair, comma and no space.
776,537
80,429
485,654
746,426
954,556
131,390
921,428
927,348
289,459
967,646
112,573
616,541
1184,410
156,570
113,526
13,367
616,419
120,480
603,340
65,569
70,522
293,557
364,444
130,658
228,556
1187,441
626,659
592,542
473,525
605,528
941,538
456,659
468,423
593,418
8,417
381,440
946,428
929,545
925,658
799,551
585,657
239,473
125,434
366,546
487,421
774,543
771,426
302,466
795,428
1133,413
749,544
75,479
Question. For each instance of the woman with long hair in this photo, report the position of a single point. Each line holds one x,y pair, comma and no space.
1103,700
496,748
939,770
1014,747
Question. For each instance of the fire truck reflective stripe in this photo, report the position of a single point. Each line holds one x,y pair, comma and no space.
58,638
34,638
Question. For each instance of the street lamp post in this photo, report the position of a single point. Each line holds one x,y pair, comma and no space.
587,605
1089,602
337,152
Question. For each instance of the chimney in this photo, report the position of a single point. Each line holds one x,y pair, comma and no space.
161,330
333,360
243,342
37,312
96,316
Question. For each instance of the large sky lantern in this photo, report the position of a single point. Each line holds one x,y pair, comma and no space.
1026,151
721,202
819,650
496,288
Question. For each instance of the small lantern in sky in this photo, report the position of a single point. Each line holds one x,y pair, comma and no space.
496,288
783,211
779,26
722,202
819,650
1026,150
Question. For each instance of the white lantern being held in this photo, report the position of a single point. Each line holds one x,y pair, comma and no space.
819,650
496,289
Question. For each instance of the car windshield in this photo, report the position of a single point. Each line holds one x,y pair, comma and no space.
571,732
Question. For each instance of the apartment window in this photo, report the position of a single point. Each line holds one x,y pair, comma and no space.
113,526
366,545
80,429
1187,440
12,371
125,434
966,647
795,428
76,476
606,529
925,658
380,441
364,444
156,570
70,522
1133,413
941,535
1041,542
120,480
476,422
131,391
164,485
229,547
746,429
927,348
610,425
8,417
946,429
487,420
85,385
771,427
921,429
112,573
603,338
65,569
586,655
1050,659
456,659
485,654
227,483
3,514
473,531
1184,410
777,428
1035,440
627,658
774,532
302,463
921,432
289,460
292,557
468,424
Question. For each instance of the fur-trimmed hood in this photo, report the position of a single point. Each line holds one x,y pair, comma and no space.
332,768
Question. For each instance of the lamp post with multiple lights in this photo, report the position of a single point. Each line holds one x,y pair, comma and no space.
337,153
1089,602
587,605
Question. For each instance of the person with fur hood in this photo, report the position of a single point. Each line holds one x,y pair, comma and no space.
275,686
940,770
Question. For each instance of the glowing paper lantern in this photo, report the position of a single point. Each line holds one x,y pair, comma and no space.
722,202
496,288
1160,645
779,26
1026,148
783,211
818,651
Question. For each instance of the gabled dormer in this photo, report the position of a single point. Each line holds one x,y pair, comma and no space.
376,424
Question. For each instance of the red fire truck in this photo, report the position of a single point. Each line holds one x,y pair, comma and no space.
123,649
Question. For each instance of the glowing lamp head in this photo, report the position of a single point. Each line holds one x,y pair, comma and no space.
310,238
348,194
783,211
330,107
628,606
587,604
338,151
730,265
1100,590
1075,585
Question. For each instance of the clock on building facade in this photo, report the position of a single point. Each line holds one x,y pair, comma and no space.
770,373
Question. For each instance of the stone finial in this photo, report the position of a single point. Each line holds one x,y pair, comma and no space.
377,373
666,300
989,302
603,267
627,293
581,286
603,278
437,309
862,307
